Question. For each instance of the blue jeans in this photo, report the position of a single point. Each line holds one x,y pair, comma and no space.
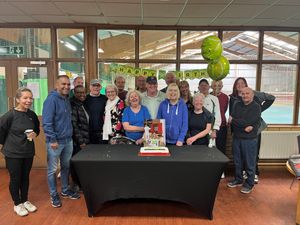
64,153
244,157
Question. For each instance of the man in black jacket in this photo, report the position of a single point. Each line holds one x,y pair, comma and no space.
245,120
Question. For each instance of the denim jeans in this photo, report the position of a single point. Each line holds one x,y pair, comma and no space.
244,157
64,154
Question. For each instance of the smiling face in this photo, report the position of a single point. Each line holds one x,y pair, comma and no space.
170,78
217,86
79,93
173,92
198,102
111,93
63,85
25,100
78,81
95,89
134,99
184,89
203,88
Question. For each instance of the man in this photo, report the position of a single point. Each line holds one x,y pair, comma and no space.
245,120
152,97
95,105
58,130
170,78
140,83
223,101
211,103
120,83
77,81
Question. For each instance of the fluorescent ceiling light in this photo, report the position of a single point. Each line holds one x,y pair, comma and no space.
70,46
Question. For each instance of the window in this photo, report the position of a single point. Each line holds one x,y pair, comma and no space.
191,42
280,45
280,81
157,44
70,43
25,43
116,44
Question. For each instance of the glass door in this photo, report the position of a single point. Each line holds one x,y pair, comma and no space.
5,88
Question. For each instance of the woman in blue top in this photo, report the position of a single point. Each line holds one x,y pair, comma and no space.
174,110
134,116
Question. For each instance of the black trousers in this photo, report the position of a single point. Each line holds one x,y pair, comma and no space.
19,170
258,150
221,139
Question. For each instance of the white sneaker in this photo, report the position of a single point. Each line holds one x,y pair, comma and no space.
20,210
212,143
30,207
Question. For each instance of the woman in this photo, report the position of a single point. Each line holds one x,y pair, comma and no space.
18,148
200,120
134,117
80,123
174,110
185,94
263,99
113,113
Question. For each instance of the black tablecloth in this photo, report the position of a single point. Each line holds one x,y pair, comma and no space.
190,175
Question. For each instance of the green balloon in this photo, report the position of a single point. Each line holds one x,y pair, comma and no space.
217,70
211,48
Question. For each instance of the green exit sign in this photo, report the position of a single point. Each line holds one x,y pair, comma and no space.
12,50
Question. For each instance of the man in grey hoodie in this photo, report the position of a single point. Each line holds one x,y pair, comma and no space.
58,131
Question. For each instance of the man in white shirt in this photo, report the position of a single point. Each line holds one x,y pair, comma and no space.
152,97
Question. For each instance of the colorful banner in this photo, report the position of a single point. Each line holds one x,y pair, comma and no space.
181,75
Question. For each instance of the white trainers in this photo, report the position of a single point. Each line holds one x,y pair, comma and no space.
20,210
30,207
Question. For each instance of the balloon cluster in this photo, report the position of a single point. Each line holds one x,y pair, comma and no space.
218,65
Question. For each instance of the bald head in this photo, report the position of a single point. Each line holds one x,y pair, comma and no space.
170,78
247,95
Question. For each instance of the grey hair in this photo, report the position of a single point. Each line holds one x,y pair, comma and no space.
112,86
128,96
198,95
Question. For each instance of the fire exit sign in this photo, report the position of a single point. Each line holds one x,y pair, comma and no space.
12,50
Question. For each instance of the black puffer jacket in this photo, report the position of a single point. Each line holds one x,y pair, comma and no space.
80,123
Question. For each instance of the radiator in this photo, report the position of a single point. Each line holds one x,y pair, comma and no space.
278,144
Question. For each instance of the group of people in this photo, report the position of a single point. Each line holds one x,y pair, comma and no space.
72,119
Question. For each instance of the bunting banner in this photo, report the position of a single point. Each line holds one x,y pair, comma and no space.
160,74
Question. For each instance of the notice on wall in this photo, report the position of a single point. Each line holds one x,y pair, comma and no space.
35,88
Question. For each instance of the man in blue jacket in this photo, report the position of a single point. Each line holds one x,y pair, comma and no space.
58,130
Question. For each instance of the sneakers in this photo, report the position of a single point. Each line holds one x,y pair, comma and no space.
29,206
256,179
223,175
55,201
234,183
246,190
70,194
21,210
245,175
